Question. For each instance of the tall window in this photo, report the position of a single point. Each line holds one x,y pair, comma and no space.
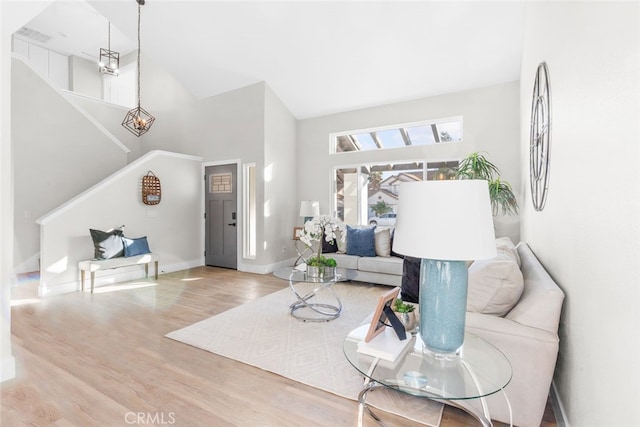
368,194
422,133
249,211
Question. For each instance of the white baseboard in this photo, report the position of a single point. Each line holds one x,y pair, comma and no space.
265,269
30,265
558,408
8,368
109,277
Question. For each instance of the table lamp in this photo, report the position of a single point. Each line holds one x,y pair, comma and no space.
309,209
446,224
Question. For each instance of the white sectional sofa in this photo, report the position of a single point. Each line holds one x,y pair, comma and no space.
525,330
528,336
378,269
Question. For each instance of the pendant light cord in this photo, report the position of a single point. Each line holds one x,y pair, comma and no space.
139,55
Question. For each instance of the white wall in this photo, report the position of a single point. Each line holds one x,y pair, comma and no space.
281,207
490,118
173,227
57,152
12,16
588,234
171,104
85,78
110,116
7,362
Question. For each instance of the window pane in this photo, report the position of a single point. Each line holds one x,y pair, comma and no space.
364,142
384,182
421,135
449,132
250,215
441,170
391,138
346,193
432,132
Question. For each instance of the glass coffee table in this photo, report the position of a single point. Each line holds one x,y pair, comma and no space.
479,371
316,300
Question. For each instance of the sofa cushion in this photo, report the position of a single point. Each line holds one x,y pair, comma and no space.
506,244
346,261
341,242
410,288
361,241
382,242
107,244
329,247
541,302
393,233
385,265
495,285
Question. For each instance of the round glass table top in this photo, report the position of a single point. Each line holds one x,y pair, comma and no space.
295,275
480,370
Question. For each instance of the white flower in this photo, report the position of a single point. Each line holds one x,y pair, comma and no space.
323,224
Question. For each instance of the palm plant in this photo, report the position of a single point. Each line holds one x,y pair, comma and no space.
477,166
381,207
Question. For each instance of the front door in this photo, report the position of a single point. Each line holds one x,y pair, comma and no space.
221,216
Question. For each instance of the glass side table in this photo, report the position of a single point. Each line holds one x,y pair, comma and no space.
479,371
304,252
308,307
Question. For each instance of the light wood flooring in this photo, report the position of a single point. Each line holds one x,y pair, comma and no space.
102,360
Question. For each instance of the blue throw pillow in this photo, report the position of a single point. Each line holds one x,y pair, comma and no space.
361,241
137,246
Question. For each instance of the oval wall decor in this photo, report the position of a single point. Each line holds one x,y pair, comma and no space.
540,137
151,190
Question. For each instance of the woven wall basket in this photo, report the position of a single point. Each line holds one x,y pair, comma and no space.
151,191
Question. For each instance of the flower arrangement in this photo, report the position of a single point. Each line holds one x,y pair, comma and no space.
322,226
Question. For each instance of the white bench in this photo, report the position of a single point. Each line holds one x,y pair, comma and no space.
105,264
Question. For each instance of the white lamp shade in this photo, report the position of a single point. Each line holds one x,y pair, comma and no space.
309,208
445,220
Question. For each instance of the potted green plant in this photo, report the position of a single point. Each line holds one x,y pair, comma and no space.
477,166
319,228
405,312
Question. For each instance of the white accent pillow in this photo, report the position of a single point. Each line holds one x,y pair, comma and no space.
506,244
383,242
495,285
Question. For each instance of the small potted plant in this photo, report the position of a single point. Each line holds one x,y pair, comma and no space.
405,312
319,266
319,228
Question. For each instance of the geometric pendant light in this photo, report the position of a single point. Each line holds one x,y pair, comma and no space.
138,121
109,60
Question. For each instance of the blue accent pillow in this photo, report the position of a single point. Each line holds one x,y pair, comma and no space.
107,244
361,241
137,246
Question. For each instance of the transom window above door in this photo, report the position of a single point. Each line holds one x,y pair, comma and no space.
399,136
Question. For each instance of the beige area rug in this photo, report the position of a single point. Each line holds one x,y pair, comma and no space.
263,334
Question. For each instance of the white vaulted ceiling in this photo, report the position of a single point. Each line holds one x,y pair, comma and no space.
319,57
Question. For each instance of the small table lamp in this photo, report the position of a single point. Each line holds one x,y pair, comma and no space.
445,223
309,209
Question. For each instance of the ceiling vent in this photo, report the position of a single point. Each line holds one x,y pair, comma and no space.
33,35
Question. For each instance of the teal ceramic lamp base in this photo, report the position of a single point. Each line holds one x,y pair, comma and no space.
443,306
